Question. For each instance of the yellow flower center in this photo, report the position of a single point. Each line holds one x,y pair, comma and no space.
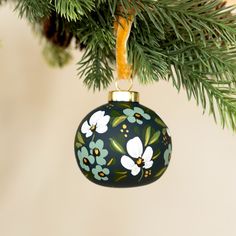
96,152
138,116
93,128
140,162
101,174
86,161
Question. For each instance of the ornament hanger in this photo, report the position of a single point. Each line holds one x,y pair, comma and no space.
122,30
118,87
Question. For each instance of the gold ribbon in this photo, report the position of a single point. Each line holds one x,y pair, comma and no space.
123,28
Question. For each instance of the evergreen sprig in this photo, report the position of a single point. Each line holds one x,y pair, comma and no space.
189,42
34,10
74,9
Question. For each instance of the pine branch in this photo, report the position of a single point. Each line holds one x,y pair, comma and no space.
97,35
74,9
219,63
34,10
189,19
218,95
149,65
225,101
96,69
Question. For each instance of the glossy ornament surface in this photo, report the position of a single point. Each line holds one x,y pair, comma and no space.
123,144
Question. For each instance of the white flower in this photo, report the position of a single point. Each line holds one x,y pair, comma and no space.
97,123
142,159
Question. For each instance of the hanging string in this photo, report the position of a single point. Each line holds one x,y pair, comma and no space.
123,28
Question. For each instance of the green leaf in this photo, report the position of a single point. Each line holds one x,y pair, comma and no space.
80,138
120,178
124,105
160,122
155,137
121,172
111,162
157,155
118,120
78,145
160,172
116,146
147,135
115,113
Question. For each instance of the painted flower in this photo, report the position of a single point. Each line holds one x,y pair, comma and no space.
85,160
97,123
138,159
100,173
167,155
98,151
136,115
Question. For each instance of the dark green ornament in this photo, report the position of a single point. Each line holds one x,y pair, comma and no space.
123,143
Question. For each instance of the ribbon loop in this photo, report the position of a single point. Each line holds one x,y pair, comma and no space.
123,29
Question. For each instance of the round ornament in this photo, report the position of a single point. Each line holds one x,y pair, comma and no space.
123,143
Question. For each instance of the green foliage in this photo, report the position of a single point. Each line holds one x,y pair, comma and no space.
96,69
207,74
56,56
96,63
34,10
118,120
189,42
74,9
116,146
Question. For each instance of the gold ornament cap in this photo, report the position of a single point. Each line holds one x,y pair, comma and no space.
123,96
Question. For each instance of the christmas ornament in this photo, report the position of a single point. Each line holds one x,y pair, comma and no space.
123,143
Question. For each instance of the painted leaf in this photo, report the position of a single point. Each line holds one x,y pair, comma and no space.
155,137
78,145
80,138
116,146
111,162
120,178
121,172
160,122
124,105
164,131
147,135
118,120
115,113
161,172
156,155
